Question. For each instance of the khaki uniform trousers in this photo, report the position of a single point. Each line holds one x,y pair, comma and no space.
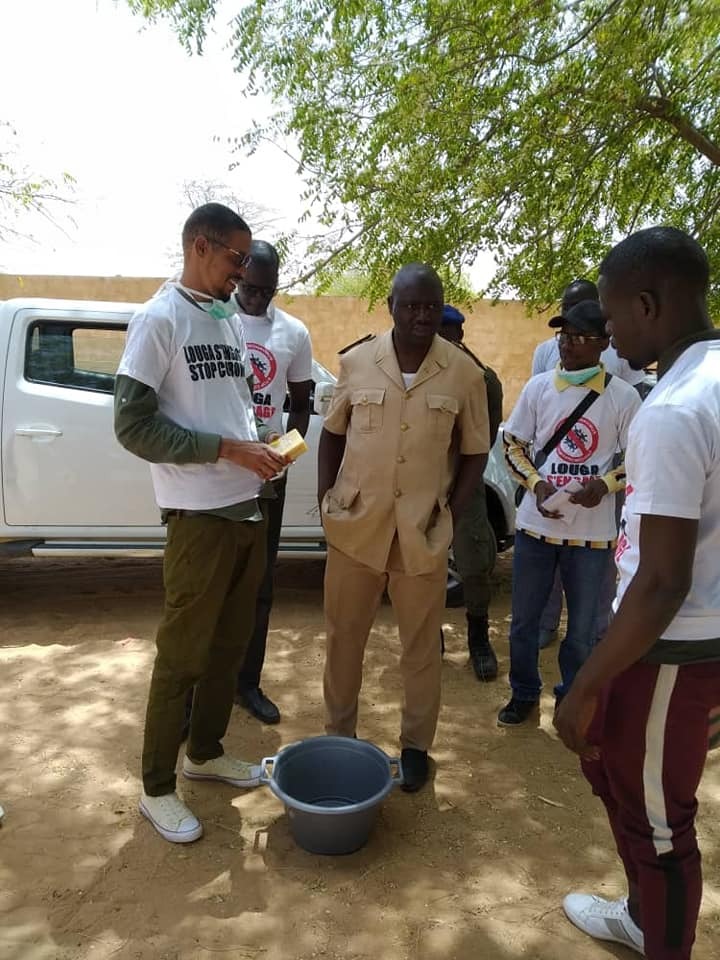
212,571
353,593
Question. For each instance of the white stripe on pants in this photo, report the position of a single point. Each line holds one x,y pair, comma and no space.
654,756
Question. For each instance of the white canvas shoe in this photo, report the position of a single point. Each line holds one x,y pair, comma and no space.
171,818
604,920
226,769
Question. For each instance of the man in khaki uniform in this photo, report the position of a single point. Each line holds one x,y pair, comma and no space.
390,485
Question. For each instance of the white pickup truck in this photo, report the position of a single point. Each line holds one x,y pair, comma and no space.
68,487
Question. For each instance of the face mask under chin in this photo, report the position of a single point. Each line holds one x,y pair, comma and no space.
578,377
216,308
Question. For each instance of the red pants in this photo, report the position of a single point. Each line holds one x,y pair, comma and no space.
652,726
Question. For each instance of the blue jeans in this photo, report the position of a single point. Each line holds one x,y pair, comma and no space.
584,572
550,619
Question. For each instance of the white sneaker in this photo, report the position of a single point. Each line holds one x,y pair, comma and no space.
225,769
171,818
2,814
604,920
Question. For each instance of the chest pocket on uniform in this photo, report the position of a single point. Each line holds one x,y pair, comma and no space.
367,410
442,411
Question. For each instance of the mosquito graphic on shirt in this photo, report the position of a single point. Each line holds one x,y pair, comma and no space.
575,435
259,365
580,443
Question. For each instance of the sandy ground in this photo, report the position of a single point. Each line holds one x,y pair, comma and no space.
475,866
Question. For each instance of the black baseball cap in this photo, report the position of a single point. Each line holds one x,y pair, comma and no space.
586,316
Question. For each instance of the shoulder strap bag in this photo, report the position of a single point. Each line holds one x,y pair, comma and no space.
562,431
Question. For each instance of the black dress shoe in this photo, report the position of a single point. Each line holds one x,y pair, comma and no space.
414,768
260,706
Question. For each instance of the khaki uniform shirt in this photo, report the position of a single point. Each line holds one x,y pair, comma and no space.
401,448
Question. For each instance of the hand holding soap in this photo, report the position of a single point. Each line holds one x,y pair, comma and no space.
290,445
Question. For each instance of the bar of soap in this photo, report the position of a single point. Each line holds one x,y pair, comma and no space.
290,445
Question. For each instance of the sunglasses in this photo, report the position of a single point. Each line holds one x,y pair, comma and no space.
253,290
579,338
240,260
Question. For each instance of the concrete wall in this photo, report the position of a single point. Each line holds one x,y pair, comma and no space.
502,334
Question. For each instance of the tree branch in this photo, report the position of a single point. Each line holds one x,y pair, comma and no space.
326,261
584,33
663,109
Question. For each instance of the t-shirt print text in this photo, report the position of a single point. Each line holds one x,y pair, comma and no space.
208,361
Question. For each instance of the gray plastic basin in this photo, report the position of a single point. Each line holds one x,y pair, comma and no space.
332,788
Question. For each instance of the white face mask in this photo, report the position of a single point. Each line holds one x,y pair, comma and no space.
218,309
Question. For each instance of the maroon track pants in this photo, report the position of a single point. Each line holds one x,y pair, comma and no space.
652,725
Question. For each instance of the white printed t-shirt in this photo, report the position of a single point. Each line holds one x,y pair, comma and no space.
547,357
280,352
673,470
197,366
586,452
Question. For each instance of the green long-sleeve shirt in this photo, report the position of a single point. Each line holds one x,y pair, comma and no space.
142,430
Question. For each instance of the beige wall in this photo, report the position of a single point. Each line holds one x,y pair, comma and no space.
123,289
502,334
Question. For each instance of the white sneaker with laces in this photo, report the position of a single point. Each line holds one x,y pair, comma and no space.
171,818
604,920
226,769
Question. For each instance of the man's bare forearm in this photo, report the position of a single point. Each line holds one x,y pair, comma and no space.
650,603
645,613
300,407
299,420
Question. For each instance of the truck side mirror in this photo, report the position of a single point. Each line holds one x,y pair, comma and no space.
323,395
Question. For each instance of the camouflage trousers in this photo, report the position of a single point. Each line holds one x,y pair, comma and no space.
475,551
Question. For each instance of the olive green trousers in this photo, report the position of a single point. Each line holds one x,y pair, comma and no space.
212,572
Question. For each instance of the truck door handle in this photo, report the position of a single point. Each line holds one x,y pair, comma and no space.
38,433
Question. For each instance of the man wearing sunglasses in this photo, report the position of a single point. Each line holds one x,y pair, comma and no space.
547,357
547,353
280,354
183,402
567,426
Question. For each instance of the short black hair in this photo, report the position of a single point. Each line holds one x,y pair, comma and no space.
214,221
265,253
579,290
648,257
415,271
